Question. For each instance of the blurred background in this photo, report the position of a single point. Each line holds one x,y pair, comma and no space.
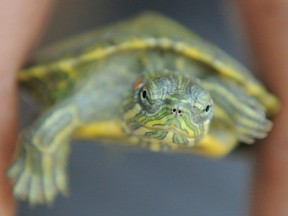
111,181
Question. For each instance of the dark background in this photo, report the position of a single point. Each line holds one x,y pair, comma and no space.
107,181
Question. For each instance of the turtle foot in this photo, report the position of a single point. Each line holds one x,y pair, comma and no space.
38,177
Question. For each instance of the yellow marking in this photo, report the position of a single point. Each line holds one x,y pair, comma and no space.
26,74
165,43
48,186
47,166
219,141
183,130
144,43
34,190
67,68
20,186
270,102
212,147
40,71
60,136
132,112
169,138
109,129
154,147
190,50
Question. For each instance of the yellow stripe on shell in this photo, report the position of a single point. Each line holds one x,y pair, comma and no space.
190,50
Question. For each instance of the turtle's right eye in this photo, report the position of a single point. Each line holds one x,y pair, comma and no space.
144,97
146,101
144,94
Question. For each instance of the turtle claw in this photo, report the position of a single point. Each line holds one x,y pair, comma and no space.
254,124
38,177
35,192
61,184
61,181
21,187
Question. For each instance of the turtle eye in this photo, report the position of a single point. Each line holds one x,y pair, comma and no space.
203,114
144,94
207,108
147,103
144,97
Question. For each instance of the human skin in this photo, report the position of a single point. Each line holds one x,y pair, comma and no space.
266,24
20,24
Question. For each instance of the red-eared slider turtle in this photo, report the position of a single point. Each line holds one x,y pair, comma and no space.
145,82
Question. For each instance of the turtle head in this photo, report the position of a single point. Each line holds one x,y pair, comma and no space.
169,109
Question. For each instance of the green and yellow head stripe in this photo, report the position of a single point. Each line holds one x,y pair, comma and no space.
168,108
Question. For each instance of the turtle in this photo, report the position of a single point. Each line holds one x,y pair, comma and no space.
146,82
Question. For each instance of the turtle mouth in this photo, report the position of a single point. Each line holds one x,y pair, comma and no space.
175,130
179,126
172,135
168,130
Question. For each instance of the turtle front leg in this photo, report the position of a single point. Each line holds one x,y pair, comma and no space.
39,170
246,113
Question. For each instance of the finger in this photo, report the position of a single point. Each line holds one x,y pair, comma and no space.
266,25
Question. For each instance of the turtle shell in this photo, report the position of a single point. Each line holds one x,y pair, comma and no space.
51,72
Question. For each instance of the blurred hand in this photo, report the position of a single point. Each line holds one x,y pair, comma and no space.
266,22
20,24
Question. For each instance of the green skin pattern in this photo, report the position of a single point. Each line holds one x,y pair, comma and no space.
158,93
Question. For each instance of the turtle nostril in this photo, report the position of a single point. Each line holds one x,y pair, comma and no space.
174,110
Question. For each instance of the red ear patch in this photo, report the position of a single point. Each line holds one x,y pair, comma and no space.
137,83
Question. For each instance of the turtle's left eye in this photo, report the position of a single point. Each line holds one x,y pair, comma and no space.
204,113
208,107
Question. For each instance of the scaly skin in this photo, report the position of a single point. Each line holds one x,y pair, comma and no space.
142,83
